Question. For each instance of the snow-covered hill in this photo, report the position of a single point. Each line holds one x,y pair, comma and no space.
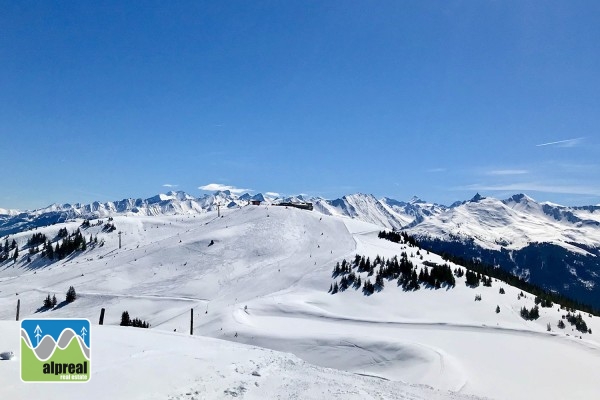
554,246
264,282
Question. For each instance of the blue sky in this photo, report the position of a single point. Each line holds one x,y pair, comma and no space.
441,99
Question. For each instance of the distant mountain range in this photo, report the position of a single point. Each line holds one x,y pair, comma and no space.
549,244
386,212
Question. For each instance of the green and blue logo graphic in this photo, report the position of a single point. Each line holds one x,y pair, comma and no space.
55,350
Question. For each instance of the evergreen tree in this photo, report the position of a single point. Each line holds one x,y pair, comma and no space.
379,281
71,295
125,320
15,255
497,309
49,251
48,302
561,324
343,284
54,302
336,288
524,313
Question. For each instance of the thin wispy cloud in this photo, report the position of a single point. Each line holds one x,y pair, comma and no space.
563,143
170,185
435,170
504,172
272,194
214,187
535,187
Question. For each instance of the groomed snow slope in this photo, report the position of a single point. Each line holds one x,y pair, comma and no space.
278,263
129,363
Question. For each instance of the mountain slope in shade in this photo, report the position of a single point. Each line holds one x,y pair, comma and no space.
553,246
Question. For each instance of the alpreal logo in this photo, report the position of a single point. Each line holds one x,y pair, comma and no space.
55,350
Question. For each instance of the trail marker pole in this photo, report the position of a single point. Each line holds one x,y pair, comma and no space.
101,322
18,308
192,321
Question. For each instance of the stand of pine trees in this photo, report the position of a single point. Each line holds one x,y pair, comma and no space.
532,314
70,243
136,322
578,321
497,273
402,270
36,239
50,302
108,227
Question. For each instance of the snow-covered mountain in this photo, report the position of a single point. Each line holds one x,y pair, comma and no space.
365,207
552,245
414,211
514,223
162,204
4,211
258,276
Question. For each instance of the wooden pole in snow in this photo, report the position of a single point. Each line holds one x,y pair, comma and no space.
101,322
18,308
192,321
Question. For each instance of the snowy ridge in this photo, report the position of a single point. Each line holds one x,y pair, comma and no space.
518,233
4,211
365,207
514,223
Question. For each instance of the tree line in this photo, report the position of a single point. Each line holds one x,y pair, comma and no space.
497,273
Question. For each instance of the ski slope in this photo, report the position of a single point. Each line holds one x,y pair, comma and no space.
264,283
129,363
